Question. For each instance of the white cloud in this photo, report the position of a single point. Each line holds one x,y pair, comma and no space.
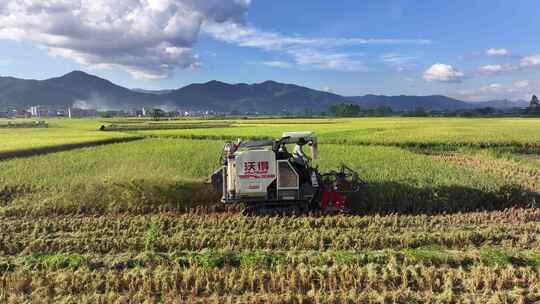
443,73
496,68
526,86
497,52
530,61
494,87
277,64
491,68
522,89
248,36
527,62
314,59
521,84
148,38
152,38
396,59
306,52
399,61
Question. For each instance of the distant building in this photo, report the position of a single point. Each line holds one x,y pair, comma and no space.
38,111
75,112
133,112
61,112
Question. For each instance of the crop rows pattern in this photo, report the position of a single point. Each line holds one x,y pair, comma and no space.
215,257
449,215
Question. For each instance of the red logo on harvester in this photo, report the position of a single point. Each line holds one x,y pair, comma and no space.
260,167
257,169
249,167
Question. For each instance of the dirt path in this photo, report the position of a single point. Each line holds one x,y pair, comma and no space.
65,147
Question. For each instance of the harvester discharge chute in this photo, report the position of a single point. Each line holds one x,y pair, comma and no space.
269,180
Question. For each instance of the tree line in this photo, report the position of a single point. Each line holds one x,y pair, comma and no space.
354,110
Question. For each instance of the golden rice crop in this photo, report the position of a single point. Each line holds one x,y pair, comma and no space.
136,222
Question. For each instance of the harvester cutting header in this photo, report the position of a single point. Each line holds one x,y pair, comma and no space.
269,180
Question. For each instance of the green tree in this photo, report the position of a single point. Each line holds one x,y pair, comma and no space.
381,111
420,112
534,102
534,106
486,111
344,110
157,113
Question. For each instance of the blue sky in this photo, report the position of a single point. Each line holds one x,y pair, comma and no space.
473,50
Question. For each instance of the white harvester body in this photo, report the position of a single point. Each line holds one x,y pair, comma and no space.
254,171
265,176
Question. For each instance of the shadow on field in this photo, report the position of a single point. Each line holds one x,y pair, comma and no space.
147,196
136,196
144,196
393,197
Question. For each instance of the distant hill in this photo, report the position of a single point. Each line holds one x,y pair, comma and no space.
502,104
409,103
76,87
269,96
14,91
88,91
98,92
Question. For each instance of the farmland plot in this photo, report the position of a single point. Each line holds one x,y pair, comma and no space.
159,173
58,135
446,217
385,131
226,257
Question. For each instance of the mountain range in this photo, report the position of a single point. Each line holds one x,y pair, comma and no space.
83,90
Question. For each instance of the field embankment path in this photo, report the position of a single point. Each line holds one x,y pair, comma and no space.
29,152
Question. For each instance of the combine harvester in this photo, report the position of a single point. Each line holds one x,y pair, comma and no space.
269,180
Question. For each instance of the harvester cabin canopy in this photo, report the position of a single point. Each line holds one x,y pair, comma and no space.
286,138
301,138
294,137
305,137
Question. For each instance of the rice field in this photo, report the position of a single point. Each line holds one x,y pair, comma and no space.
58,134
486,257
487,132
449,216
